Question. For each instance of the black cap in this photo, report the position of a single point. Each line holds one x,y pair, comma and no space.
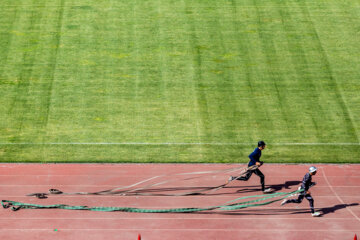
261,143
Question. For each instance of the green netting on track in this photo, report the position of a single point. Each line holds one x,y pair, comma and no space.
229,206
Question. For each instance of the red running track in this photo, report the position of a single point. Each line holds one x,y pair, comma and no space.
337,196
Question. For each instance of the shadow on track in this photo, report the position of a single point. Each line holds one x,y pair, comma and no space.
282,211
276,187
336,208
167,191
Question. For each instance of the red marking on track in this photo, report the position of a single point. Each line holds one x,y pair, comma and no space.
336,195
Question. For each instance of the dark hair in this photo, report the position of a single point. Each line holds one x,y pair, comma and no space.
261,143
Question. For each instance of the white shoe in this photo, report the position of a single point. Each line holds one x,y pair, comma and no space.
268,190
315,214
285,201
231,178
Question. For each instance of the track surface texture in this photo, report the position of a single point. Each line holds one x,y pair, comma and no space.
336,197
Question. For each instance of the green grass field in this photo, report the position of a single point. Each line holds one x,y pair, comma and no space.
215,75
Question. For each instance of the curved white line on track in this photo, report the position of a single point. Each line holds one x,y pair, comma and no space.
337,196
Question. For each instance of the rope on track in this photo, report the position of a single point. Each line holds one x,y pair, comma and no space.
229,206
127,190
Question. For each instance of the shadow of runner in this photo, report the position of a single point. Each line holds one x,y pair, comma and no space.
282,211
204,190
336,207
276,187
286,185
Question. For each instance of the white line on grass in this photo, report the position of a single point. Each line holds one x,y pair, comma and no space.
179,143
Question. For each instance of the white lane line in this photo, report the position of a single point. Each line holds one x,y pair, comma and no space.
337,196
179,229
136,176
180,143
95,186
144,196
207,218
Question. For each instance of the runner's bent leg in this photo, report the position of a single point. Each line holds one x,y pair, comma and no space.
262,178
298,200
246,176
311,201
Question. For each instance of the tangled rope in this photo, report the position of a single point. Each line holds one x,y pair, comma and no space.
229,206
259,200
130,190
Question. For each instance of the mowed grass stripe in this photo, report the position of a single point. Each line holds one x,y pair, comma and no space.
342,39
53,61
7,24
178,106
332,81
179,72
22,72
305,92
266,33
243,68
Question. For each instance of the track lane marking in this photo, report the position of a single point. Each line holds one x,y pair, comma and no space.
337,196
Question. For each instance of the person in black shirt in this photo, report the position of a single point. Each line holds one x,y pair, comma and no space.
305,185
255,161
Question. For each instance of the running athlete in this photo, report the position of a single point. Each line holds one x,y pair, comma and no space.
255,161
305,185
